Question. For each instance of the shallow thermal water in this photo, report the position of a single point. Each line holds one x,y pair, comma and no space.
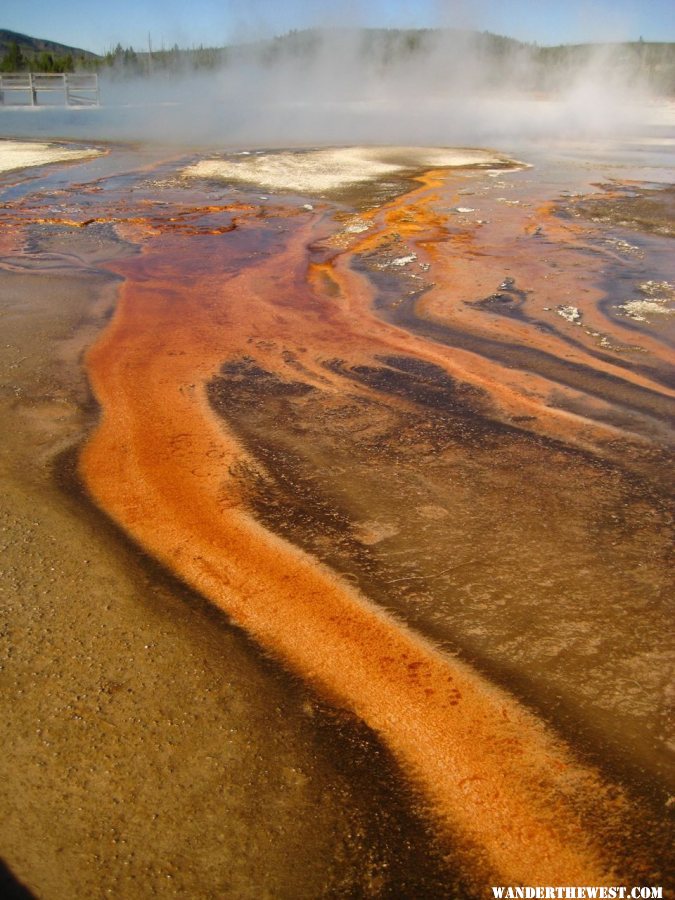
440,397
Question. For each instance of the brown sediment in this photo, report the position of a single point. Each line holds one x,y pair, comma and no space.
631,205
163,464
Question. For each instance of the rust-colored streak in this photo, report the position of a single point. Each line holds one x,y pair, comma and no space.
467,263
160,463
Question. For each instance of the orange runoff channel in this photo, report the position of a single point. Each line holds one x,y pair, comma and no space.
498,784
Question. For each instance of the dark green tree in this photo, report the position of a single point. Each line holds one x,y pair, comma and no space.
14,60
45,63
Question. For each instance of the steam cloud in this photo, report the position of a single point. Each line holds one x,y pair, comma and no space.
366,86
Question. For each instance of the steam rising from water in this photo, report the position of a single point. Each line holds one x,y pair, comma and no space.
350,86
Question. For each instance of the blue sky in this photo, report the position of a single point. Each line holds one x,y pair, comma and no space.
99,26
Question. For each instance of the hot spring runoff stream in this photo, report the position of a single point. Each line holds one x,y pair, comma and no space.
335,521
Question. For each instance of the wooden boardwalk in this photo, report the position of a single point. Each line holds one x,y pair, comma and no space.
40,89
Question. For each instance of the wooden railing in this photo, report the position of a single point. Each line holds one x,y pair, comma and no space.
30,88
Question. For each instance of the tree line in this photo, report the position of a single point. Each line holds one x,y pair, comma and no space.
122,60
15,60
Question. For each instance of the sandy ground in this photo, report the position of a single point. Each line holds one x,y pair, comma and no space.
22,154
318,171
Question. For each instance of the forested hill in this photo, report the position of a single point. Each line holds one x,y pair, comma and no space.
23,51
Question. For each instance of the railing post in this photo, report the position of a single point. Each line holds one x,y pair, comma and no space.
33,92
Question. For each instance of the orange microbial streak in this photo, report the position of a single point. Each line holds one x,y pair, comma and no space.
468,262
160,462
